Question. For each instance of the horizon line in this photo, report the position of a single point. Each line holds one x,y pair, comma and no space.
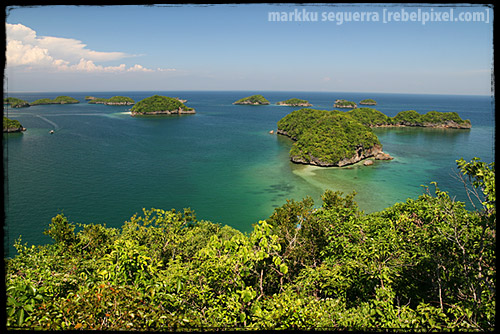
242,90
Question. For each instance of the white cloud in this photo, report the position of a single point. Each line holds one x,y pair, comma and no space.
25,48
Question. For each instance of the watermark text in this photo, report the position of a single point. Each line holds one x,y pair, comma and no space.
419,15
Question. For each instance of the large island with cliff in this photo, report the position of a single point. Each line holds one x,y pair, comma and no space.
332,138
160,105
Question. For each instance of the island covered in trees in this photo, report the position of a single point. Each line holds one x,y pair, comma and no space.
336,138
368,102
115,100
329,138
18,103
14,102
12,125
253,100
58,100
160,105
294,102
344,104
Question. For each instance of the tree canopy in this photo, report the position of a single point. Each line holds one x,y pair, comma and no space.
158,103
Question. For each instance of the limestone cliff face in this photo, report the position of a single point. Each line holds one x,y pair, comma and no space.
445,125
10,130
284,133
360,154
301,104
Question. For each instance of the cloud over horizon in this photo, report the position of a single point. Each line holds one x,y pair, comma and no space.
26,49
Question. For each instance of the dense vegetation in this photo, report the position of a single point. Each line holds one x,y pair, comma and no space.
413,118
426,264
121,100
11,125
325,137
57,100
14,102
157,103
368,102
344,104
253,100
295,102
369,116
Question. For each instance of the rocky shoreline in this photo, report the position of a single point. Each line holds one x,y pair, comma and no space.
361,154
12,130
251,103
445,125
179,111
344,104
114,103
294,104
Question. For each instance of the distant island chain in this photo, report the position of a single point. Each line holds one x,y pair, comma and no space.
326,138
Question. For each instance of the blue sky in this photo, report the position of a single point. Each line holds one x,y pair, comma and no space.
236,47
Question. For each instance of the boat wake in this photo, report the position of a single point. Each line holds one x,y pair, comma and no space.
56,127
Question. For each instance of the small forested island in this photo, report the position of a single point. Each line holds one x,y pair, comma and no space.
160,105
344,104
294,103
253,100
427,264
113,101
89,97
12,125
336,138
329,138
433,119
14,102
57,100
368,102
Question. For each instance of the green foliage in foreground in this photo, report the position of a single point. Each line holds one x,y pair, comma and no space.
10,124
157,103
426,264
254,99
325,136
58,100
14,102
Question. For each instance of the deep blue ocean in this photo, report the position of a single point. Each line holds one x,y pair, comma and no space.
102,165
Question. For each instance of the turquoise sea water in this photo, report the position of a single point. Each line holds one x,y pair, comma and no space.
102,165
